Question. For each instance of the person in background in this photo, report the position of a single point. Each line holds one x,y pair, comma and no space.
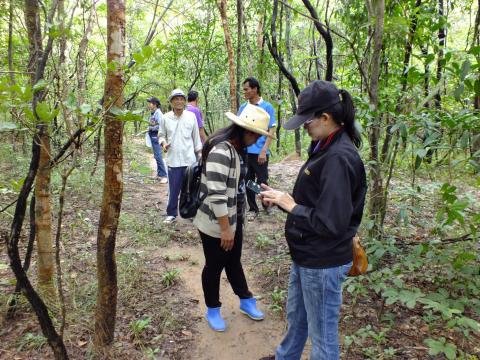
193,107
154,123
219,219
324,213
257,154
180,138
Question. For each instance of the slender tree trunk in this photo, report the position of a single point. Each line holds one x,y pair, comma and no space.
426,76
376,187
222,7
105,312
10,44
292,92
476,101
43,213
43,219
32,22
54,340
62,82
81,64
279,88
407,54
26,262
239,49
325,33
441,47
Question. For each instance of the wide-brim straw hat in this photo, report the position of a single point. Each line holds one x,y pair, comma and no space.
252,118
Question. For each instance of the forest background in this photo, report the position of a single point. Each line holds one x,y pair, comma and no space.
68,112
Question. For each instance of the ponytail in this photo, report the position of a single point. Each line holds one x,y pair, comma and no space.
348,118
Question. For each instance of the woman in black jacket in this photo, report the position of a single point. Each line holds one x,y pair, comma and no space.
324,213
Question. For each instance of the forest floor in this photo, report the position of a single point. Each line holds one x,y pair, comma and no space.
160,312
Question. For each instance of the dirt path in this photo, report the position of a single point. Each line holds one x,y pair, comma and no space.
244,338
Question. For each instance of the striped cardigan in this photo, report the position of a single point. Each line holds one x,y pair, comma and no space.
219,181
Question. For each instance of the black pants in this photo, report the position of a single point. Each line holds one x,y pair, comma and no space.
257,173
217,259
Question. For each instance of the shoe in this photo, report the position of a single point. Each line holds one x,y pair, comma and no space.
249,308
169,219
163,180
269,357
215,320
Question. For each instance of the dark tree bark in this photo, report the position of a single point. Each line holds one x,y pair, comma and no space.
426,76
105,311
54,340
273,48
476,101
26,262
441,46
327,37
292,94
38,60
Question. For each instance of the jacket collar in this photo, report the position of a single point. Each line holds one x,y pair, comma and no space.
320,146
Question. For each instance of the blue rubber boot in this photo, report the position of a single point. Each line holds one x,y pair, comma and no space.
215,320
249,308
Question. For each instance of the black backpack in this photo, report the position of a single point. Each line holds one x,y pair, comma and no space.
190,193
190,199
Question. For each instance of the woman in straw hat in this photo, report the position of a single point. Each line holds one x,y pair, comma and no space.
219,218
324,213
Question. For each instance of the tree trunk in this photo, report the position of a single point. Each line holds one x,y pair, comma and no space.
239,49
441,46
376,187
26,262
43,213
48,330
62,82
279,88
476,101
10,44
325,33
293,95
222,7
426,76
32,22
43,219
113,183
407,54
81,64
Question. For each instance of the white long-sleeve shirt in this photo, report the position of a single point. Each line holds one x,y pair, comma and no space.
182,133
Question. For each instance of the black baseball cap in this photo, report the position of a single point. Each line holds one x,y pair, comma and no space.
153,100
317,96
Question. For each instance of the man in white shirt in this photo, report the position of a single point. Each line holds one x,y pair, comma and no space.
180,138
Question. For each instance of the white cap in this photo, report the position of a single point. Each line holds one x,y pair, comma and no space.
177,92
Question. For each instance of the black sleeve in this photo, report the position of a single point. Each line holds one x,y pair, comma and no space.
333,202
